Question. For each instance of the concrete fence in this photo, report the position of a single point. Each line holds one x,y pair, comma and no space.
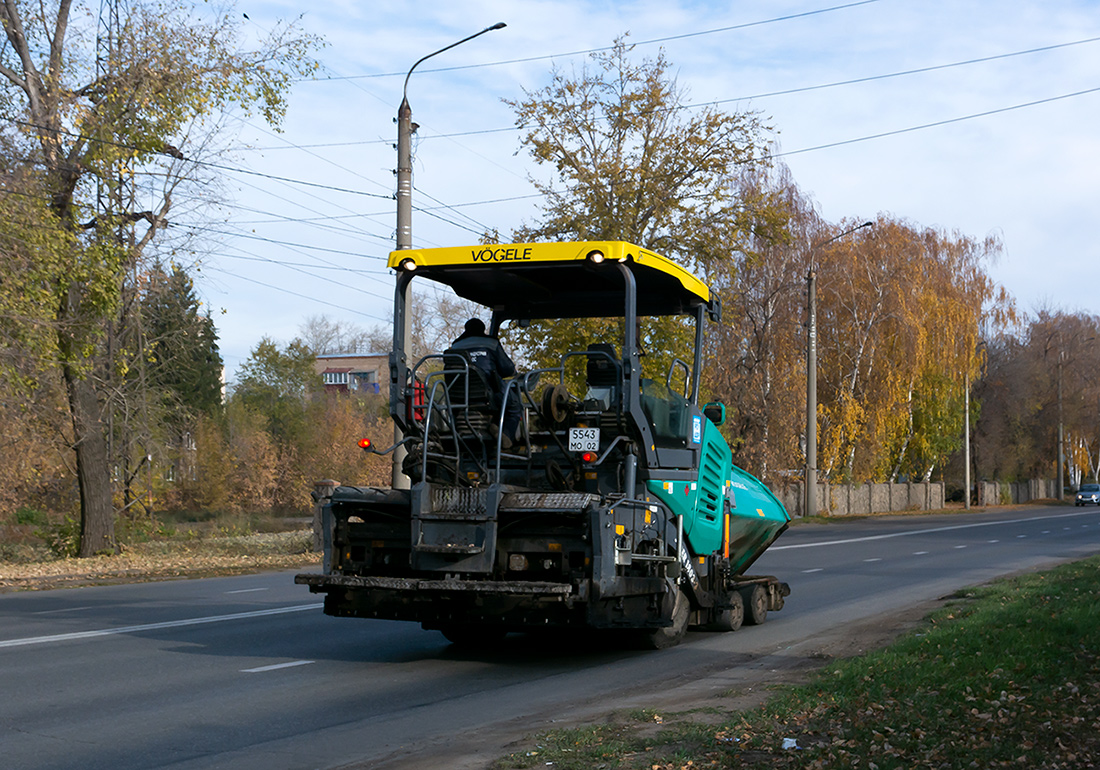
996,493
854,499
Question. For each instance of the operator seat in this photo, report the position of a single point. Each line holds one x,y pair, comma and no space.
603,377
473,402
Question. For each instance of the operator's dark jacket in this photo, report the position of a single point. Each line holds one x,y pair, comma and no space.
487,354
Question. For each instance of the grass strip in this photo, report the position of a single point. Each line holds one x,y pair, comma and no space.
1006,675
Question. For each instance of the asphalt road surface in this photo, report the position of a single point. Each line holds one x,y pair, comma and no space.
246,672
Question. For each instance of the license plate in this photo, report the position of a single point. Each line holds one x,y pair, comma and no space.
584,439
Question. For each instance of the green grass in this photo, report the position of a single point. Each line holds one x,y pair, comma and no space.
1007,675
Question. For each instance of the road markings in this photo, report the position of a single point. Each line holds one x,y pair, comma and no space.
808,571
959,546
871,560
66,609
247,590
993,541
276,666
920,553
156,626
908,533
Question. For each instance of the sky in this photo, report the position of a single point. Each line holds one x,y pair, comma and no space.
992,130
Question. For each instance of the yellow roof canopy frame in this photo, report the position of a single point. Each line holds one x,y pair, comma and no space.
558,280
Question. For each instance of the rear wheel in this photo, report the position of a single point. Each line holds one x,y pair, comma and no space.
670,636
732,618
756,604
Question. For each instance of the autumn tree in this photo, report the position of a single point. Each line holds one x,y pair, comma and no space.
32,248
95,115
1039,375
631,161
900,310
755,356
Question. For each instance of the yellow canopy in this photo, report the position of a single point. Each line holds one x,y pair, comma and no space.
558,280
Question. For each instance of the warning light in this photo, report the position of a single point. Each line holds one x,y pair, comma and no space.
365,443
588,457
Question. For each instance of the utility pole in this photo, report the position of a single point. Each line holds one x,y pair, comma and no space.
811,391
405,130
811,372
1061,426
966,442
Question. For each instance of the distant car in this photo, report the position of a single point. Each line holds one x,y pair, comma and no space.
1088,493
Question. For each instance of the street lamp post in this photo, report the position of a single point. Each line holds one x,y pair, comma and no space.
966,441
1061,428
405,131
811,372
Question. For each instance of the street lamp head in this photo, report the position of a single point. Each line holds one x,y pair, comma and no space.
405,87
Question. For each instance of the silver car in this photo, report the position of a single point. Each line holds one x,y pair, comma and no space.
1088,493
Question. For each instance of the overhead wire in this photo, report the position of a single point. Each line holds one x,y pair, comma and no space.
934,124
249,256
547,57
293,293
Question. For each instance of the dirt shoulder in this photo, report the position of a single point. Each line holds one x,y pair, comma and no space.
152,561
709,699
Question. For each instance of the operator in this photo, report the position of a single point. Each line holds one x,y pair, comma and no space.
488,355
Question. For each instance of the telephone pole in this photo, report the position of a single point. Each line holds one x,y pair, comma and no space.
811,372
405,130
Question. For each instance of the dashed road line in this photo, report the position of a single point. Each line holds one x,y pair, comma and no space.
26,641
276,667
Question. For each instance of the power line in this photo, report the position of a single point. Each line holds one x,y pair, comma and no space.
281,243
292,181
749,97
301,269
931,125
546,57
902,73
320,157
250,257
295,294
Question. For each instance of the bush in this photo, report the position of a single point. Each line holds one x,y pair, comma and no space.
33,516
63,539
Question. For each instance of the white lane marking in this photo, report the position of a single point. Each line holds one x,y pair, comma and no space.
247,590
276,667
959,546
871,560
846,541
1018,537
1046,532
808,571
993,541
67,609
155,626
920,553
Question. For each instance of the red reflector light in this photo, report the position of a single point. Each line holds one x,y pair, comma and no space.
364,443
588,457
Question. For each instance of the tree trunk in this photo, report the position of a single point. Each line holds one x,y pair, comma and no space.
97,514
93,473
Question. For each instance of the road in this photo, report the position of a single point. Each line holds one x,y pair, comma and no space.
246,672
